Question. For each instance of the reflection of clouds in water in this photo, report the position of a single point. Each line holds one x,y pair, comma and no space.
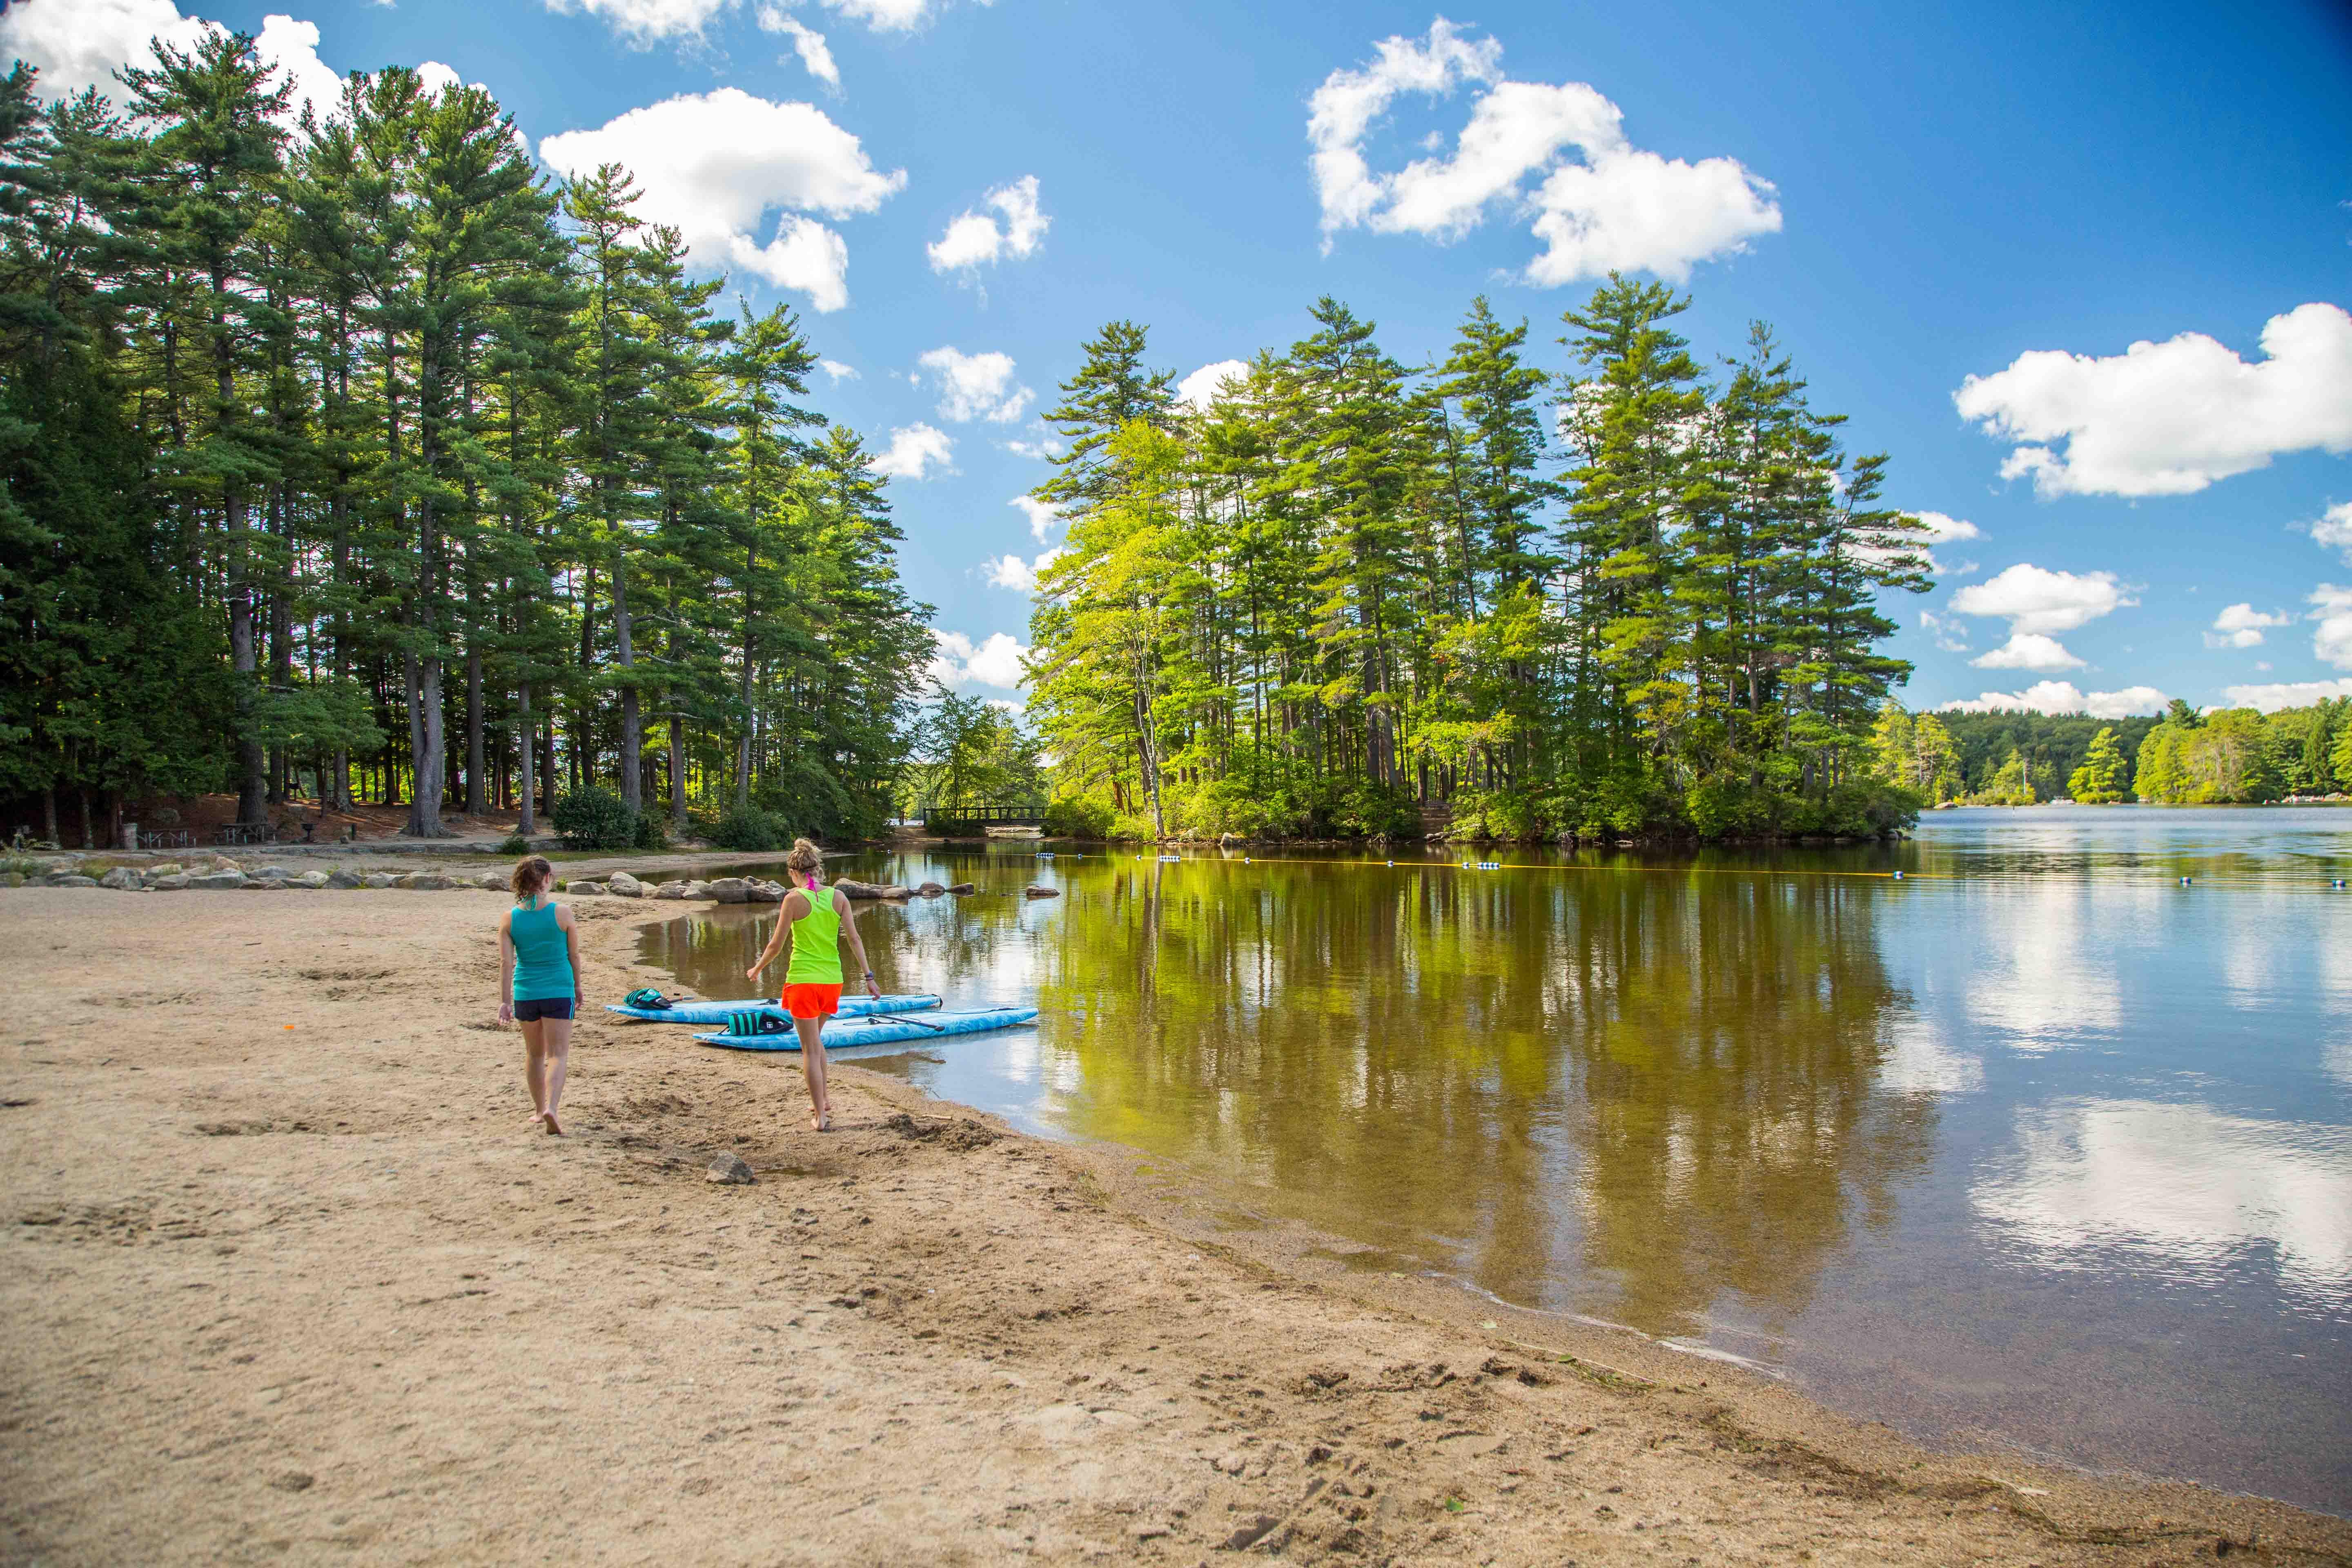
2184,1183
1919,1061
2335,1061
2050,973
2249,964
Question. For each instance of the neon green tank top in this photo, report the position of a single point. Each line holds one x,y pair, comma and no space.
816,941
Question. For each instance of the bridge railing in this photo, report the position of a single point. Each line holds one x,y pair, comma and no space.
987,816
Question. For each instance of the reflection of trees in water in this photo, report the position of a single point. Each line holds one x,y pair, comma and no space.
1663,1081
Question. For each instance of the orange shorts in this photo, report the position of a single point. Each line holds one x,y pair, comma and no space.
806,1001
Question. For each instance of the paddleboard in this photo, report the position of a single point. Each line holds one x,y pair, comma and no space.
877,1028
707,1013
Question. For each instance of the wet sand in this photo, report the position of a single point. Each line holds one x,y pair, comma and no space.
323,1290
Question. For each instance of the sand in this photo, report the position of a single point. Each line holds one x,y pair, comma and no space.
322,1293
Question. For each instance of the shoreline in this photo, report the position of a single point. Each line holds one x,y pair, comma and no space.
282,1250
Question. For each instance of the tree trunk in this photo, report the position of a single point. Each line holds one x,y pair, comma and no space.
633,737
253,791
678,774
475,803
525,826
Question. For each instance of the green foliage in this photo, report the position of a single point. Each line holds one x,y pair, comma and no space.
595,818
749,829
2100,780
514,844
2215,759
1077,816
2052,745
2010,784
1344,592
332,460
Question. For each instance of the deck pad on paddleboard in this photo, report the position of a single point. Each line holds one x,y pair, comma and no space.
877,1029
708,1012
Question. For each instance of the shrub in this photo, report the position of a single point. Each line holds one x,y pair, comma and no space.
595,818
648,832
1078,817
514,844
749,828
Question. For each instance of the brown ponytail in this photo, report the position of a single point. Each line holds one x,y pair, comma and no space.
804,860
531,875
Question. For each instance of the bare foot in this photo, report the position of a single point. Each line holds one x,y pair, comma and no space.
554,1128
821,1120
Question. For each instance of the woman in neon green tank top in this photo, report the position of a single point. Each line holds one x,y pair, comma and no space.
813,924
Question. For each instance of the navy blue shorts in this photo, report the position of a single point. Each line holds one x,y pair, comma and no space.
543,1007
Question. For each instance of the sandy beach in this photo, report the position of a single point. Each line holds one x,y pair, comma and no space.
292,1276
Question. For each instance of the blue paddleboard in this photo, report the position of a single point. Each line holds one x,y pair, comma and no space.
877,1028
707,1013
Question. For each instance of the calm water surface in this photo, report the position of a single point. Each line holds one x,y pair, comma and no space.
2035,1146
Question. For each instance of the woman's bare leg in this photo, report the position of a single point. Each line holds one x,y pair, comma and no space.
534,1065
811,1032
557,1032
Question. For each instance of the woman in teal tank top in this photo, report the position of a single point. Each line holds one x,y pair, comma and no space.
539,987
813,923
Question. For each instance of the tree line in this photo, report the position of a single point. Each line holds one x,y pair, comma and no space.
2230,756
358,461
1625,594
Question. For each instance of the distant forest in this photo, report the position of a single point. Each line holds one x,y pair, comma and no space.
2230,756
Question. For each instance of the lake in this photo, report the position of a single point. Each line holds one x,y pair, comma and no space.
2034,1146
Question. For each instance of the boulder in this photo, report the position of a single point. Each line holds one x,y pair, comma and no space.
584,890
765,893
730,891
670,890
264,884
425,882
1034,891
122,880
280,872
168,868
492,882
931,890
171,884
312,880
730,1170
378,879
217,881
871,890
70,881
696,890
340,877
622,885
963,887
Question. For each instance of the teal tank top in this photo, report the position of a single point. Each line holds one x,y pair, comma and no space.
543,963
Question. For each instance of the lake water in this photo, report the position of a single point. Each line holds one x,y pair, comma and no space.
2035,1146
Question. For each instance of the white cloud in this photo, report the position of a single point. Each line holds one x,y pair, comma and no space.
2064,697
2332,608
958,661
883,16
713,164
642,23
974,239
1012,571
2036,603
2241,626
2334,528
2281,694
2171,418
974,386
1619,206
807,42
2027,651
838,370
1208,384
1937,528
76,44
1042,515
1947,633
293,48
914,451
1046,447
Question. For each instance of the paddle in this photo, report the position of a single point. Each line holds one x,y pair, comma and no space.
901,1018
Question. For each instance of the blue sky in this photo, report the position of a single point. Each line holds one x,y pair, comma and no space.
1913,198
